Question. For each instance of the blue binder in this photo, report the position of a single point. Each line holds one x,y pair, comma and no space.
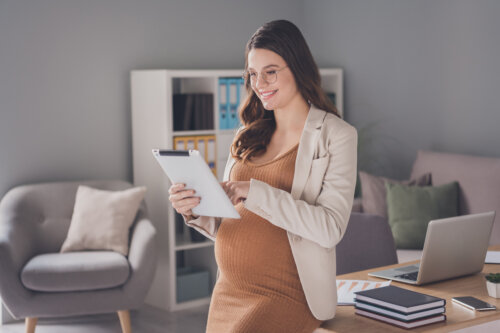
235,98
230,90
242,94
233,102
223,103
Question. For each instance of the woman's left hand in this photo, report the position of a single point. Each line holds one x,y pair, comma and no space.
237,191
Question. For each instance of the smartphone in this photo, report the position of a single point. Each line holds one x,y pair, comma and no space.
473,303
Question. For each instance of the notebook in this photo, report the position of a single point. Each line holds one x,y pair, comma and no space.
403,324
399,299
398,315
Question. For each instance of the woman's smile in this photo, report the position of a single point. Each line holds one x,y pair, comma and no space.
268,94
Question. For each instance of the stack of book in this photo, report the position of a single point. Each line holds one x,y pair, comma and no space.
193,112
400,307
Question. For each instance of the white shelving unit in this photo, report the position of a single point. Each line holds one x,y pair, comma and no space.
152,127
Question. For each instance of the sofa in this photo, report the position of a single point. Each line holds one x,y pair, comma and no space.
479,187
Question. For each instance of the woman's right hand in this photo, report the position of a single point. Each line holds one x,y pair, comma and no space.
183,200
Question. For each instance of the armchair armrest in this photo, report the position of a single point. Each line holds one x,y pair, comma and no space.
367,243
18,227
142,259
357,205
17,246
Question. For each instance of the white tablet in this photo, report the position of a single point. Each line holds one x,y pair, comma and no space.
188,167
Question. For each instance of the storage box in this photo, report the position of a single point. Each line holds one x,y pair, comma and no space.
192,283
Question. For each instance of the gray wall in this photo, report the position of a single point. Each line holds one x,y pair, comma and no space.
425,74
64,74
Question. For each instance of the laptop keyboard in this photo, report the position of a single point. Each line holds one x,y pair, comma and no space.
408,276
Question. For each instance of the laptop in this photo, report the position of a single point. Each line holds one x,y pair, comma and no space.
453,247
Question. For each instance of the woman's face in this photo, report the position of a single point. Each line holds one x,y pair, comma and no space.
277,94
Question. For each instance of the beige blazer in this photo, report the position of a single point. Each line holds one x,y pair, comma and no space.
316,212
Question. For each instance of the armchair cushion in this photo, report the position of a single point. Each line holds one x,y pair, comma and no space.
101,219
75,271
373,192
412,207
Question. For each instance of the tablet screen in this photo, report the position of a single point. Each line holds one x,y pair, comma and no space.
188,167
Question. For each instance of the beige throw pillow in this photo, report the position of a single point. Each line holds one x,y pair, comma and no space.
101,219
373,192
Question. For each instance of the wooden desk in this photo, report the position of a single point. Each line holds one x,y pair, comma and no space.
457,316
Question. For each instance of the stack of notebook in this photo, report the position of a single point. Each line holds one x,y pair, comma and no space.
400,307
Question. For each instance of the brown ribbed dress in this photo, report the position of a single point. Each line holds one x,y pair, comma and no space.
258,289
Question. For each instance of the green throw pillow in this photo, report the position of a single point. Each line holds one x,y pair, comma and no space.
411,208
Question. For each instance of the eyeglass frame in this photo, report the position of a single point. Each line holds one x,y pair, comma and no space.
264,77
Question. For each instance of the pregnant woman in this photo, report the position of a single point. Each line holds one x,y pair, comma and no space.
291,175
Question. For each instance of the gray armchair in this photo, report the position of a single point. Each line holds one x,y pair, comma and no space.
38,281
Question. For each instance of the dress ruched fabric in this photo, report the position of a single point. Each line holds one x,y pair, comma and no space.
258,289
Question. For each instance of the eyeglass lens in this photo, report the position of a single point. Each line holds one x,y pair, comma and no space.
269,76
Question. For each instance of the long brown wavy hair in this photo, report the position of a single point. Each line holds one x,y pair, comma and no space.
284,38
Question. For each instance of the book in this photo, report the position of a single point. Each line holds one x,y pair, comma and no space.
208,111
403,324
198,112
193,112
203,112
179,108
188,113
399,299
399,315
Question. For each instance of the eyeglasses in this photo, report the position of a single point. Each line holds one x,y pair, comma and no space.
269,76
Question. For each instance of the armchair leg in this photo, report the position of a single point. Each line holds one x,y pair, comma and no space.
30,324
124,316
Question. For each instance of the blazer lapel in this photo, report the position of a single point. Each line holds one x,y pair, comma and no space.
305,153
307,145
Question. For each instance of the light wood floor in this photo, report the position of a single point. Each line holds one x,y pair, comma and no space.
146,320
152,320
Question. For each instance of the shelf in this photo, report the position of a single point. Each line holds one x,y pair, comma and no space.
228,131
193,133
204,73
152,94
183,242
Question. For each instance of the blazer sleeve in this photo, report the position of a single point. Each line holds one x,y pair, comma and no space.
325,221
